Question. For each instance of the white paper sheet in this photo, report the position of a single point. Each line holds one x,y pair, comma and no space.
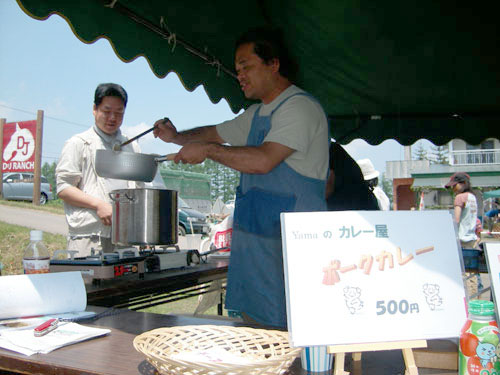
25,342
41,294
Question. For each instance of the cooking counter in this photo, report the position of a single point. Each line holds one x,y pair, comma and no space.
157,287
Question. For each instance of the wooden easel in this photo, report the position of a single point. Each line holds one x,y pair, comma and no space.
356,349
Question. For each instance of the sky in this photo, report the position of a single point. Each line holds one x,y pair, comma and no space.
44,66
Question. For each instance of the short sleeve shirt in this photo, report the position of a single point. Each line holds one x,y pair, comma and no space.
300,123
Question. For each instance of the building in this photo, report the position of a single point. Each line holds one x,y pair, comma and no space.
414,179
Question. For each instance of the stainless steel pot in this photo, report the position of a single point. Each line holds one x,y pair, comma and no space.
144,217
131,166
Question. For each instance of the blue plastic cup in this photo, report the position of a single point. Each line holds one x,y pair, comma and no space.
316,359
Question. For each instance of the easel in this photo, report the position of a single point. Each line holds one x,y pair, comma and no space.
356,349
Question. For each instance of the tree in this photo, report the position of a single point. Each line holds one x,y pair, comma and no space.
386,185
439,154
420,153
223,180
49,171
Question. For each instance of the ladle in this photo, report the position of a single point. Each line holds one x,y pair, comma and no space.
118,146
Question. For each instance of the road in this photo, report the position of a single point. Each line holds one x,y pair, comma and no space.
34,219
56,224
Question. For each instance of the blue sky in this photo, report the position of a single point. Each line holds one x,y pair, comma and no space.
43,65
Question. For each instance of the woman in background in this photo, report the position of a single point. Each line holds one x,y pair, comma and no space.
465,209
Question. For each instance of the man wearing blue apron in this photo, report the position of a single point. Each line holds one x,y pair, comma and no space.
280,146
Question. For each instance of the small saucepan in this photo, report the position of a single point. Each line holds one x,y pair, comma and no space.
131,166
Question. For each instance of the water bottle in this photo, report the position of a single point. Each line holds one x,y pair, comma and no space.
36,256
479,340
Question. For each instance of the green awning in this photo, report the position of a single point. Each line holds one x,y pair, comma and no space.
401,70
492,194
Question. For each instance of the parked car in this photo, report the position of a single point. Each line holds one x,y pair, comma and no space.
190,218
19,186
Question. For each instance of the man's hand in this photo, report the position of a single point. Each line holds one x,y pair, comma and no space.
165,130
74,196
192,153
105,212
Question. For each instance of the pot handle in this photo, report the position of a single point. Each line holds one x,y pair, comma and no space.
167,157
127,198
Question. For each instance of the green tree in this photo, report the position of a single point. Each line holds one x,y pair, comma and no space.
49,171
420,153
439,154
386,185
223,180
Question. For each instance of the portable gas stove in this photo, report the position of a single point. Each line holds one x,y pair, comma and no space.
101,266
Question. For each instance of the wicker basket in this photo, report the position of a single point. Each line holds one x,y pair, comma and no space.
261,351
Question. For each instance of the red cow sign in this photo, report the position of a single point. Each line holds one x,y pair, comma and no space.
18,154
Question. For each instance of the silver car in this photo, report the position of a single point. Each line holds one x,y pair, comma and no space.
19,186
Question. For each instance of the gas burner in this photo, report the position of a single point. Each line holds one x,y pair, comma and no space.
92,257
130,252
98,267
110,257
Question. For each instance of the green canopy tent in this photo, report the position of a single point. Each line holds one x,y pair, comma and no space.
492,194
402,70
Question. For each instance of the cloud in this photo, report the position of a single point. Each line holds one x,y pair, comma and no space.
57,108
148,143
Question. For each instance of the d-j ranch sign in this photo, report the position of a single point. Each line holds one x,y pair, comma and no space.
18,154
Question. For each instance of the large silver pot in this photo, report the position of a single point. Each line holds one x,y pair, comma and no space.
144,217
125,165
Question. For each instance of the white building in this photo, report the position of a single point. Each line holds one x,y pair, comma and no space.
411,177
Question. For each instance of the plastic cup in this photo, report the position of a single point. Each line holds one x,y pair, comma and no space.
316,359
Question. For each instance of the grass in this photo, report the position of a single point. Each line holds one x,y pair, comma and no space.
54,206
14,239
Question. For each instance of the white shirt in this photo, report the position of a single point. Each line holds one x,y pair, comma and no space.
468,216
383,200
300,123
76,167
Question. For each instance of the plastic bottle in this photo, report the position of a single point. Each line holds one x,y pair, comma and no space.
36,256
479,340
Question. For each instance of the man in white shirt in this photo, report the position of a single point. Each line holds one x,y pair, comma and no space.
85,194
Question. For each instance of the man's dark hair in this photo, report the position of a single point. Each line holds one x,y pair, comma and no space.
269,44
372,183
110,89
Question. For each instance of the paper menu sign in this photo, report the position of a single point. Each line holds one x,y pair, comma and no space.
41,294
371,276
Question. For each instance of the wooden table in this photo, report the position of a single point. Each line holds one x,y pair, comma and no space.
157,287
114,354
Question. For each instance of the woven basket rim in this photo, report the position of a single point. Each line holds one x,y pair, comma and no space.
141,344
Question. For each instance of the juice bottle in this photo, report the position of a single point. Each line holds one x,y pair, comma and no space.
479,342
36,256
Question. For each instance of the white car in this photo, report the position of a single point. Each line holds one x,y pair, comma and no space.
19,186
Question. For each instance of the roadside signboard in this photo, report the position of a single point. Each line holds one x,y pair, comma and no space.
18,154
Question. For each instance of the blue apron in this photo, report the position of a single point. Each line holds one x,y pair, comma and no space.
255,278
